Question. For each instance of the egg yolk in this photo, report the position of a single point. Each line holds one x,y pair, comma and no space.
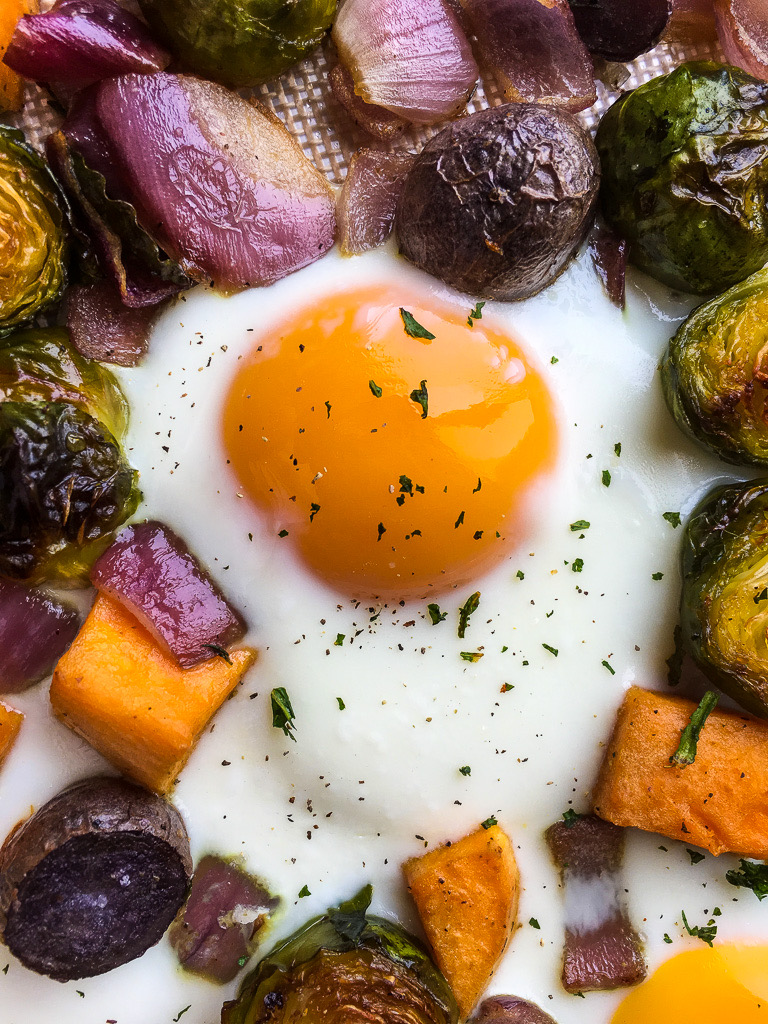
724,985
396,464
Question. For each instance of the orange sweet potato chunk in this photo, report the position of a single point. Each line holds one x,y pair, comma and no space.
466,894
131,700
10,723
719,802
11,85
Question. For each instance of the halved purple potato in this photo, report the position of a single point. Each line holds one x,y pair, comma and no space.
92,879
497,203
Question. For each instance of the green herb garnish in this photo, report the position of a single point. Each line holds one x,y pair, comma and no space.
282,712
413,328
465,770
219,652
606,477
751,876
475,314
470,605
435,614
689,738
304,891
580,524
375,389
489,822
421,397
705,932
673,518
472,656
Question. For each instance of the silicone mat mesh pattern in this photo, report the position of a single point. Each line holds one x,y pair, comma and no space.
303,100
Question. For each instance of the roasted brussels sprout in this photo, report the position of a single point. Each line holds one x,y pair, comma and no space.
240,42
724,605
715,373
685,175
65,487
497,203
341,960
32,233
40,365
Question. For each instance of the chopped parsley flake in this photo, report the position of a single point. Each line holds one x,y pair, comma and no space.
489,822
459,521
657,576
617,448
577,564
219,652
470,655
673,518
180,1014
479,485
413,328
751,876
506,687
304,891
580,524
375,389
381,530
667,939
534,923
470,605
570,817
520,575
421,397
696,858
611,669
465,770
435,614
328,409
554,360
705,932
552,650
282,712
339,640
475,314
689,738
340,702
314,508
606,477
283,533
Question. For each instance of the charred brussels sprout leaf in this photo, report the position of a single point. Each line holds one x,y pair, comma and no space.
340,960
32,233
715,373
725,591
685,175
65,487
40,365
240,42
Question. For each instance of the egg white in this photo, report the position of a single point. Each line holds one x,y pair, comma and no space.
365,787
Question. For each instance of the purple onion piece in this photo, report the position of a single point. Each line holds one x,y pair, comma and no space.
742,27
35,630
218,182
510,1010
151,571
79,42
367,202
602,949
382,124
102,327
609,258
214,932
535,51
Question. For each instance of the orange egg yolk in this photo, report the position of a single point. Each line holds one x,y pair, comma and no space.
398,465
724,985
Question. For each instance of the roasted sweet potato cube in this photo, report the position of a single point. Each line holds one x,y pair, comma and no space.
10,723
466,894
130,699
718,802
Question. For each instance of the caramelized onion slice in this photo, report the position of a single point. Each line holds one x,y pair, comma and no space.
533,48
366,205
219,182
35,630
510,1010
742,27
102,328
376,121
79,42
411,58
152,572
609,258
602,949
691,21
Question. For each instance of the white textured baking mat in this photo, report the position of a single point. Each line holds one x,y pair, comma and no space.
304,101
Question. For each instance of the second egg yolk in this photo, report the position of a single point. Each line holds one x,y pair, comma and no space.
398,465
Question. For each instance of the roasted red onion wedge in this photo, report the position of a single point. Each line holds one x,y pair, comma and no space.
376,121
218,182
617,30
102,327
412,58
510,1010
150,571
602,949
533,48
366,205
691,21
742,27
609,258
215,932
35,630
79,42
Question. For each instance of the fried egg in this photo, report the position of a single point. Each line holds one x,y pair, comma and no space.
578,599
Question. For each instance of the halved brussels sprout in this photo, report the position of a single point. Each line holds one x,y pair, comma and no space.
724,603
685,175
715,373
32,233
65,487
41,365
240,42
340,961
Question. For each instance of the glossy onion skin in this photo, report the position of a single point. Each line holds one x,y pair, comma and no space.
239,42
618,30
715,373
33,249
685,175
65,487
724,602
497,203
345,968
